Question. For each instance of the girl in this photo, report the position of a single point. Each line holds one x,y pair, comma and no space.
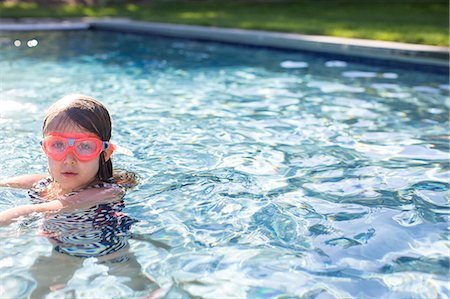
81,198
76,133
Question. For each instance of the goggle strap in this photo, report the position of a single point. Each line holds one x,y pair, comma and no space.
105,145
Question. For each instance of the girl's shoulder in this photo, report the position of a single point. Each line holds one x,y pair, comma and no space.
42,183
40,186
118,188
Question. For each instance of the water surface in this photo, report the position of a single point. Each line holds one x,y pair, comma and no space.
265,173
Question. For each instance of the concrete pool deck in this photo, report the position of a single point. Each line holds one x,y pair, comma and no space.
414,54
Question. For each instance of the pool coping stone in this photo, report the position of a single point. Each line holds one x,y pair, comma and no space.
393,51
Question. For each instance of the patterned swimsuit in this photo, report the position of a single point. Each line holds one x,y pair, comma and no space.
92,232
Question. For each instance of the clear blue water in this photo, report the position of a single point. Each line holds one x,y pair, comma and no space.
265,173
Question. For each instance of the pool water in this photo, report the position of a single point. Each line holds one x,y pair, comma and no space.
264,173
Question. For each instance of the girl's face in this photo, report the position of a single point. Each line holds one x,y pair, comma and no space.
71,173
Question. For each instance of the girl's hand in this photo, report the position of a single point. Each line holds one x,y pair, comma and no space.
8,216
23,181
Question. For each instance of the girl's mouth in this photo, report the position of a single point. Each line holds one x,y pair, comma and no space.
68,174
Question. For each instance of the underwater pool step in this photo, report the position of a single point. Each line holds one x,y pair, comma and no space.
402,52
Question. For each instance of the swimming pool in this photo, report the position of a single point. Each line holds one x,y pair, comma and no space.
265,173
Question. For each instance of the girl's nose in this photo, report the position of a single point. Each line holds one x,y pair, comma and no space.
70,159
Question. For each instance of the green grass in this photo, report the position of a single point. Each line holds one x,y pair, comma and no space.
410,21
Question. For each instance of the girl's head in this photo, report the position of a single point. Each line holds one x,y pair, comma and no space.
79,114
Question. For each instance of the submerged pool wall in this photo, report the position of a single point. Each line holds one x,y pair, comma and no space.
423,57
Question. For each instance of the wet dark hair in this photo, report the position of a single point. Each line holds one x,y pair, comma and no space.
91,115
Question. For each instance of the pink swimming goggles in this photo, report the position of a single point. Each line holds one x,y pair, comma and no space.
84,147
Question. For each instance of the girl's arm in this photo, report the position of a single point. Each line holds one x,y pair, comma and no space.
91,197
23,181
82,200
